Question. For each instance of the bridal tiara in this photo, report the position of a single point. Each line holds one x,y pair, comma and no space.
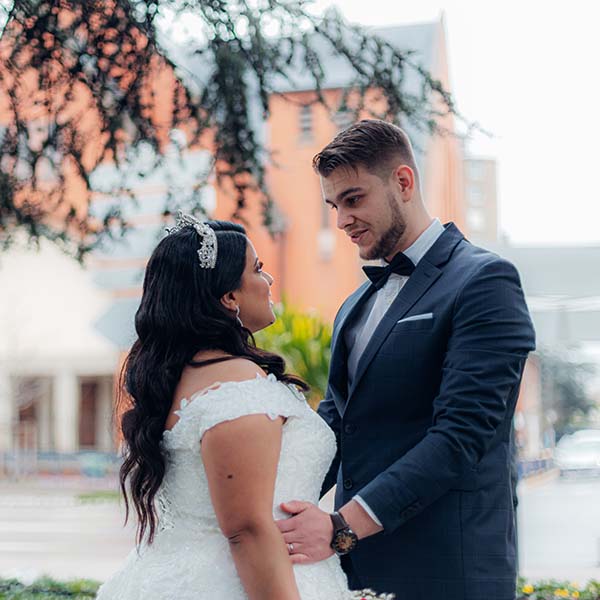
207,253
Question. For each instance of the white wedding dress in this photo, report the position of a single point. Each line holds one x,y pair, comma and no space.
190,558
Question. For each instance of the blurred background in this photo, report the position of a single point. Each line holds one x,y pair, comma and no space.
115,114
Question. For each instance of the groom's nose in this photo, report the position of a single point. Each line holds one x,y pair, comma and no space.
344,218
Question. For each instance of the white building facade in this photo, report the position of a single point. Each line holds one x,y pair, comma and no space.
56,371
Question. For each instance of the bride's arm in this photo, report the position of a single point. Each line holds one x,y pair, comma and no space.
240,458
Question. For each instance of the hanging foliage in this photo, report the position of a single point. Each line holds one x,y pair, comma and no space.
84,84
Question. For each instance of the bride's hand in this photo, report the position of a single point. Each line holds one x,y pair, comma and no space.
308,533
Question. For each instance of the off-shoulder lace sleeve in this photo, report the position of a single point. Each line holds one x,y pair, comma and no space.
231,400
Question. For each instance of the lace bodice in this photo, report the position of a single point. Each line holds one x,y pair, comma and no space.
190,558
308,447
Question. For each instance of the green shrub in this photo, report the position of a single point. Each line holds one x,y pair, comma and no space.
98,496
553,590
84,589
48,589
304,340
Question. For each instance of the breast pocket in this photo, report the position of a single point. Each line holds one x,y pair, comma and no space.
410,339
407,325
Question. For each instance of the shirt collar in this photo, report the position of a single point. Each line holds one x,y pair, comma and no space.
419,248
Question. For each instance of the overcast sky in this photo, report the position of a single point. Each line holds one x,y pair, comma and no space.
529,72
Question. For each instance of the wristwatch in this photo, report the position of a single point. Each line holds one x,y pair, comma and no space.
344,539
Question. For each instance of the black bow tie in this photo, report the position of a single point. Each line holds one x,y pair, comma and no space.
400,264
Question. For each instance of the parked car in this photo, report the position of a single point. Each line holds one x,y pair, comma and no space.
587,434
579,453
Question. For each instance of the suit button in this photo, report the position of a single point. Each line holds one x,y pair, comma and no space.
348,484
349,428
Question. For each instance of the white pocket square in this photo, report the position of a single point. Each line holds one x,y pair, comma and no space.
416,318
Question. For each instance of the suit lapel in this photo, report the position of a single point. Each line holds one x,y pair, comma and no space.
419,282
338,369
353,305
426,273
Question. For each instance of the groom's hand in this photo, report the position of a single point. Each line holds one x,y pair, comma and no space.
308,533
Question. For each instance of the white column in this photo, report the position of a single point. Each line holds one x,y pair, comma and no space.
7,412
104,415
66,412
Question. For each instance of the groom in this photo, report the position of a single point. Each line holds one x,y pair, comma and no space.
427,358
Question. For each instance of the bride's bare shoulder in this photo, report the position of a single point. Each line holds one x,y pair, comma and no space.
238,369
194,379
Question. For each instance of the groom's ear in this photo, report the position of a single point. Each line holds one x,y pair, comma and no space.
229,301
404,177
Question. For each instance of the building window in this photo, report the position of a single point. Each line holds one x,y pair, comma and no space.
326,244
475,170
343,119
306,123
475,195
476,220
87,414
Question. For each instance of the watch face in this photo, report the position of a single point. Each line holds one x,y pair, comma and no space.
344,542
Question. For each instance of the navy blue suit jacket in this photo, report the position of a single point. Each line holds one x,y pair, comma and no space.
424,431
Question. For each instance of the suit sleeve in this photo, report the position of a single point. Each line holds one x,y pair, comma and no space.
329,413
490,338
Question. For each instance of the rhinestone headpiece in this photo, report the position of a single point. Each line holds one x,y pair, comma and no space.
207,253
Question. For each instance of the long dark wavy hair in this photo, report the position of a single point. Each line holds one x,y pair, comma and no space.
180,314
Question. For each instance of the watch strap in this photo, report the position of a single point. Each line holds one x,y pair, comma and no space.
339,523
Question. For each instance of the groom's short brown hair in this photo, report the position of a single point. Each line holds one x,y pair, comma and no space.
376,145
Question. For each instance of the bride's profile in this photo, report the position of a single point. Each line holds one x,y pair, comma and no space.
216,433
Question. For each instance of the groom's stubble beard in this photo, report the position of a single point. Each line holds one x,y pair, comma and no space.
385,245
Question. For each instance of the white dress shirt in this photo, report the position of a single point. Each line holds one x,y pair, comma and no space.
383,300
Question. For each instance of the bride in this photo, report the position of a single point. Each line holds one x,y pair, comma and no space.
217,434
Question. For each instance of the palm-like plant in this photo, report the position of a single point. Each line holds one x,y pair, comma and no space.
304,340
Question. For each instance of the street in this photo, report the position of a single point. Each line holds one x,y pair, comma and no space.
559,528
47,530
